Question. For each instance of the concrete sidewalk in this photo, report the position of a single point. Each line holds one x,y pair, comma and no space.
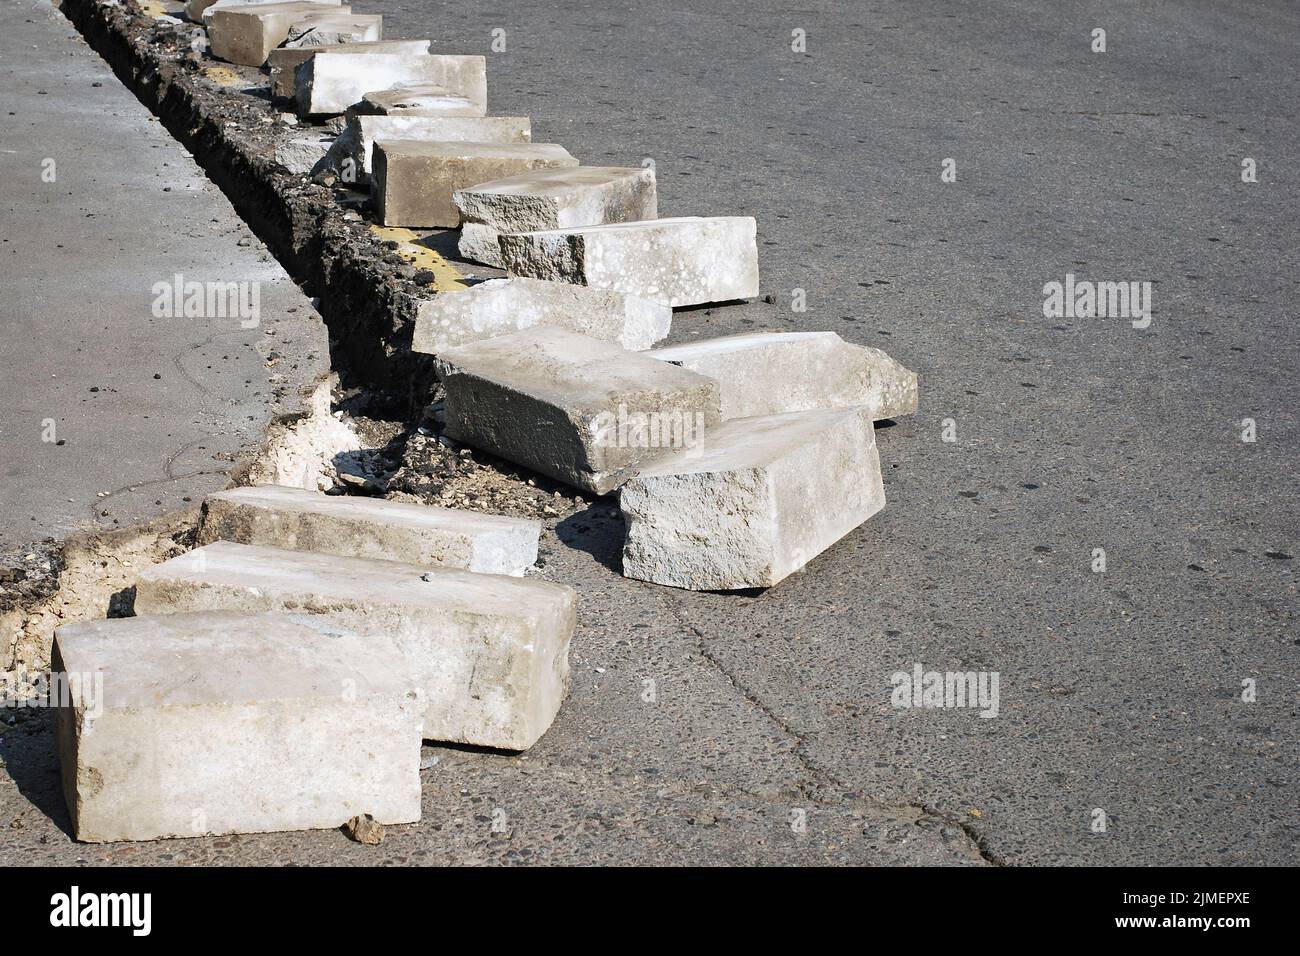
115,409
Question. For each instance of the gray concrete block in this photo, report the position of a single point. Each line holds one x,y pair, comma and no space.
357,141
684,261
583,411
502,306
551,199
195,724
284,62
753,502
766,373
413,180
329,85
299,520
303,154
489,652
418,99
248,34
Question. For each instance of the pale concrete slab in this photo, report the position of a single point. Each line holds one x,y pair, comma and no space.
689,260
247,34
551,199
196,724
414,180
202,10
489,652
328,86
583,411
502,306
419,99
300,520
754,501
284,61
767,373
329,31
360,132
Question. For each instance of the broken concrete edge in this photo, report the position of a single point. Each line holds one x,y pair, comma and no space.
93,572
367,305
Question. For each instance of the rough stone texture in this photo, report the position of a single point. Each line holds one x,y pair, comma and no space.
578,409
330,85
551,199
414,180
685,261
357,141
301,520
223,722
502,306
489,652
324,31
303,154
202,10
419,99
766,373
284,62
753,502
247,35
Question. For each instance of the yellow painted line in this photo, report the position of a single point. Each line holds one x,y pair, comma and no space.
154,8
413,249
223,76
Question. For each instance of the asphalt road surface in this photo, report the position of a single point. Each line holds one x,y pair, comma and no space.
1147,712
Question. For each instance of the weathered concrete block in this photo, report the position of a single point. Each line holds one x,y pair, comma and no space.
202,10
303,154
583,411
248,34
685,261
551,199
329,85
413,180
193,724
299,520
766,373
331,31
502,306
489,652
357,141
284,62
754,501
418,99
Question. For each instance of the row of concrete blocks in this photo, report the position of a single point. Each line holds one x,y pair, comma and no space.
283,674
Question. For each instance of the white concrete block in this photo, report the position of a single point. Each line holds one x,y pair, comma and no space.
489,652
551,199
248,34
502,306
284,62
753,502
414,180
329,85
583,411
281,517
357,141
195,724
202,10
684,261
418,99
766,373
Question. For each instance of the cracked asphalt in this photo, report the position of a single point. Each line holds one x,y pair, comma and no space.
100,204
759,728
